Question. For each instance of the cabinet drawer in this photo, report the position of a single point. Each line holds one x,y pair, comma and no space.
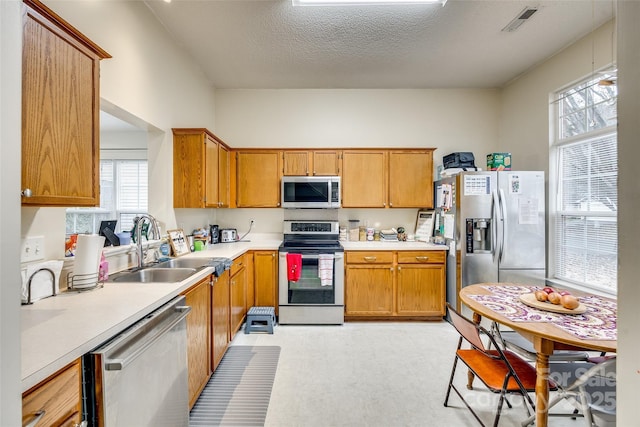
58,396
369,257
237,265
421,257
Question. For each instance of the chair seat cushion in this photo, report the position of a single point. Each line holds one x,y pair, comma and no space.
492,372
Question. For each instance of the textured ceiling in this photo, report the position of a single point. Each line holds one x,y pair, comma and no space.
271,44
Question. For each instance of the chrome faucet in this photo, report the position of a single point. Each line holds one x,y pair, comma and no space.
139,222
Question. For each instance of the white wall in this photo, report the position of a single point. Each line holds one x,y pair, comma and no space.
524,116
447,119
151,79
10,101
629,200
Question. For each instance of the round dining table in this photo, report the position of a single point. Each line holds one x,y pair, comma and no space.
546,336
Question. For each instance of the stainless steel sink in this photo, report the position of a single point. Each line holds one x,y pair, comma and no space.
196,263
155,274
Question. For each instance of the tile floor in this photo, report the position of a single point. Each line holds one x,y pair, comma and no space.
374,374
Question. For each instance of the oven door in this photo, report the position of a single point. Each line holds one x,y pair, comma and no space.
310,289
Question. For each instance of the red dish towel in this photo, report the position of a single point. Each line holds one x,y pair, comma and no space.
294,267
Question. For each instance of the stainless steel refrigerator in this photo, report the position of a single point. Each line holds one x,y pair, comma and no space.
494,225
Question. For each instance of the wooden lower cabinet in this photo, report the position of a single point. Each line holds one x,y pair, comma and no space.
395,284
220,303
238,294
59,396
265,270
198,298
369,290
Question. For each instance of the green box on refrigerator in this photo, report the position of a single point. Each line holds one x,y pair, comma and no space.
499,161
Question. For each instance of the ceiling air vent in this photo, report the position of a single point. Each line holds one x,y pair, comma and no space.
520,19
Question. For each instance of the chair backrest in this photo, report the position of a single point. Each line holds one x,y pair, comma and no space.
466,328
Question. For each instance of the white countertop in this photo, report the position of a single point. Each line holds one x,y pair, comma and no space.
60,329
392,246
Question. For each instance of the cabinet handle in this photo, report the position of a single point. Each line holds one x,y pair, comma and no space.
422,258
370,258
384,204
38,416
26,192
273,255
399,268
391,269
390,204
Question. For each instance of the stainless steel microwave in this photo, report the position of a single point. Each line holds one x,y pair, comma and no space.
310,192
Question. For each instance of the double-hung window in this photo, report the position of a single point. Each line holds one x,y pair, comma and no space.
583,186
123,195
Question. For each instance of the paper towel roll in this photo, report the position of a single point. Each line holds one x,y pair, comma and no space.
87,260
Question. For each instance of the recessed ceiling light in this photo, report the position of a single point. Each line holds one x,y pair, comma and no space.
363,2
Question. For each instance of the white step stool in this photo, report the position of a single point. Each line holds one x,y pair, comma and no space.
260,319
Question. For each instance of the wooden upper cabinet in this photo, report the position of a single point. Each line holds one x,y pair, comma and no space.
258,176
387,178
326,163
411,179
200,169
364,179
296,163
311,163
60,111
224,168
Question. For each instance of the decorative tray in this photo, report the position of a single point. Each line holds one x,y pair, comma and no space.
530,300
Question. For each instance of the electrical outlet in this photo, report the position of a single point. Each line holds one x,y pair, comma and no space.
32,249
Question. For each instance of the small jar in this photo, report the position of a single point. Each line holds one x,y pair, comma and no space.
369,234
363,234
376,235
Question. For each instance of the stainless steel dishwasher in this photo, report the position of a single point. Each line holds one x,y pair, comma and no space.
139,378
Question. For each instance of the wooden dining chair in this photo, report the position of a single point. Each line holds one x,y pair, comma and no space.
500,370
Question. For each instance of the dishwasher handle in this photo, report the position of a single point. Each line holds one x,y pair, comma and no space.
139,347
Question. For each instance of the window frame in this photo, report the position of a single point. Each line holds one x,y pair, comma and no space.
116,156
556,213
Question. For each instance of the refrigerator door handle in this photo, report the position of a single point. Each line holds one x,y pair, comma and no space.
494,228
503,222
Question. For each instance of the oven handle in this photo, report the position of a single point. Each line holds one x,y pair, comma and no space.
337,255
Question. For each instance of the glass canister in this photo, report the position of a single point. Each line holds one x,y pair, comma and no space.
354,230
362,234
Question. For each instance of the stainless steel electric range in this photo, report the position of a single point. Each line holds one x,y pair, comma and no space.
311,274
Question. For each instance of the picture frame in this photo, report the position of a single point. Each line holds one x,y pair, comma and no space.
424,225
178,242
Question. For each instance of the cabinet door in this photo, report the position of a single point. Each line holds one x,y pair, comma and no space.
369,290
224,195
296,163
60,113
364,190
326,163
198,338
220,317
410,179
58,396
258,179
211,199
237,287
421,289
265,265
189,177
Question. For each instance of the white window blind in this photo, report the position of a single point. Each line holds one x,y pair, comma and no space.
124,186
586,172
